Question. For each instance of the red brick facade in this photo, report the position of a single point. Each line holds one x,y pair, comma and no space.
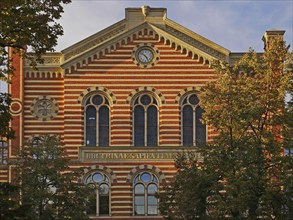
105,63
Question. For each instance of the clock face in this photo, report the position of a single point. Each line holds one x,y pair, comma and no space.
145,56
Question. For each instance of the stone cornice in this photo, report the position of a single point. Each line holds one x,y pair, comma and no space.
120,33
107,45
196,39
50,60
94,40
51,67
186,47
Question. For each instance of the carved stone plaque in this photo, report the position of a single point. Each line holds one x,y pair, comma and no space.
44,108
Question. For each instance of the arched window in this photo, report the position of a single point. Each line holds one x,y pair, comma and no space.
36,141
193,130
145,120
97,116
100,198
3,152
145,189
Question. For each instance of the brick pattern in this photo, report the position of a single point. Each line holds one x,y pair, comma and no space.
115,75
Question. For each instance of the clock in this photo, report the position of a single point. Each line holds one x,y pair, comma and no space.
145,55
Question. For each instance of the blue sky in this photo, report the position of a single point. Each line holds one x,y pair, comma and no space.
235,25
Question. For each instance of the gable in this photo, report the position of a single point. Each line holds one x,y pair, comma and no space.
136,23
143,21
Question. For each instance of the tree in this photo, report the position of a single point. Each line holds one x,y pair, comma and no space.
248,175
186,197
25,24
47,190
28,23
9,205
5,116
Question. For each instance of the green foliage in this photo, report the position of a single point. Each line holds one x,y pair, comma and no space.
244,171
28,23
191,187
25,24
9,205
47,191
5,117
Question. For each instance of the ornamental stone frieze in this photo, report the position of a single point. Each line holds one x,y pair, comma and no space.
197,44
95,42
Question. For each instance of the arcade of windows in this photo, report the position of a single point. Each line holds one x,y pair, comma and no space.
145,187
145,112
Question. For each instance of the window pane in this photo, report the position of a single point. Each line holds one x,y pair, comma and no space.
139,126
104,189
152,126
139,210
97,100
104,126
152,189
139,200
97,177
193,100
139,189
146,177
152,200
104,204
91,126
200,127
152,210
187,124
145,100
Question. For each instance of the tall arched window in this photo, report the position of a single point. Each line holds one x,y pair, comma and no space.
145,120
100,198
97,113
193,130
145,189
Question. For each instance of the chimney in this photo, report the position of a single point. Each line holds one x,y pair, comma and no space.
270,34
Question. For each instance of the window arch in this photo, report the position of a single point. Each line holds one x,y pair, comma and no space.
145,186
97,118
99,200
145,120
36,142
193,130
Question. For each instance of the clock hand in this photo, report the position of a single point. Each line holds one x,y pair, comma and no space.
145,56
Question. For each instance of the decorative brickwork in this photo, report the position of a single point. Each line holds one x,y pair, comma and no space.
54,100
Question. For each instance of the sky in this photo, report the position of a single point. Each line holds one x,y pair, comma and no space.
236,25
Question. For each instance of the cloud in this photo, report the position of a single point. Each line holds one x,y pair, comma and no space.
235,25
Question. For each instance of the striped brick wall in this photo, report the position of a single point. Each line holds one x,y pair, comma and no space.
116,75
40,85
116,72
